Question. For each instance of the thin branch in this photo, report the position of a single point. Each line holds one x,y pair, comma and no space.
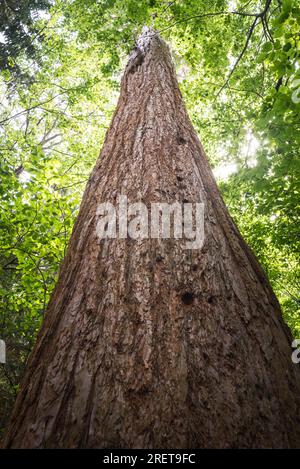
259,16
239,90
39,105
65,153
246,5
168,6
37,266
268,29
27,123
72,185
48,132
12,261
70,167
292,296
11,383
53,144
49,139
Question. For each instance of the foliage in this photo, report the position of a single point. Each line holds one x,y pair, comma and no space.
20,34
237,64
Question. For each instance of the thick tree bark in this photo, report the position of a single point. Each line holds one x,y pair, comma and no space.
146,343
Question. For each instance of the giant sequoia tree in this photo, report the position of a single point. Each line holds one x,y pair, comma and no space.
146,343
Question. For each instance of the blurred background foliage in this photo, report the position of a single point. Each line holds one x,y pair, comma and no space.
60,66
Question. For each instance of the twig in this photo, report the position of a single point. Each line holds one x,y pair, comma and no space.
278,84
66,90
168,6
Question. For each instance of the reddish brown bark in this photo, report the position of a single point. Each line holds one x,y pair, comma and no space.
145,343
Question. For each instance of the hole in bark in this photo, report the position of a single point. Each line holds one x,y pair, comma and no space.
185,201
181,140
210,300
194,268
187,298
159,258
179,178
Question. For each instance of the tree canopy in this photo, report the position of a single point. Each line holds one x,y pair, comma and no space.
238,68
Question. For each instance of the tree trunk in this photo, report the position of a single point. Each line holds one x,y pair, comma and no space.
146,343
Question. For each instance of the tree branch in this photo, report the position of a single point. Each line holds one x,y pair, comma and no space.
259,16
252,27
206,15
